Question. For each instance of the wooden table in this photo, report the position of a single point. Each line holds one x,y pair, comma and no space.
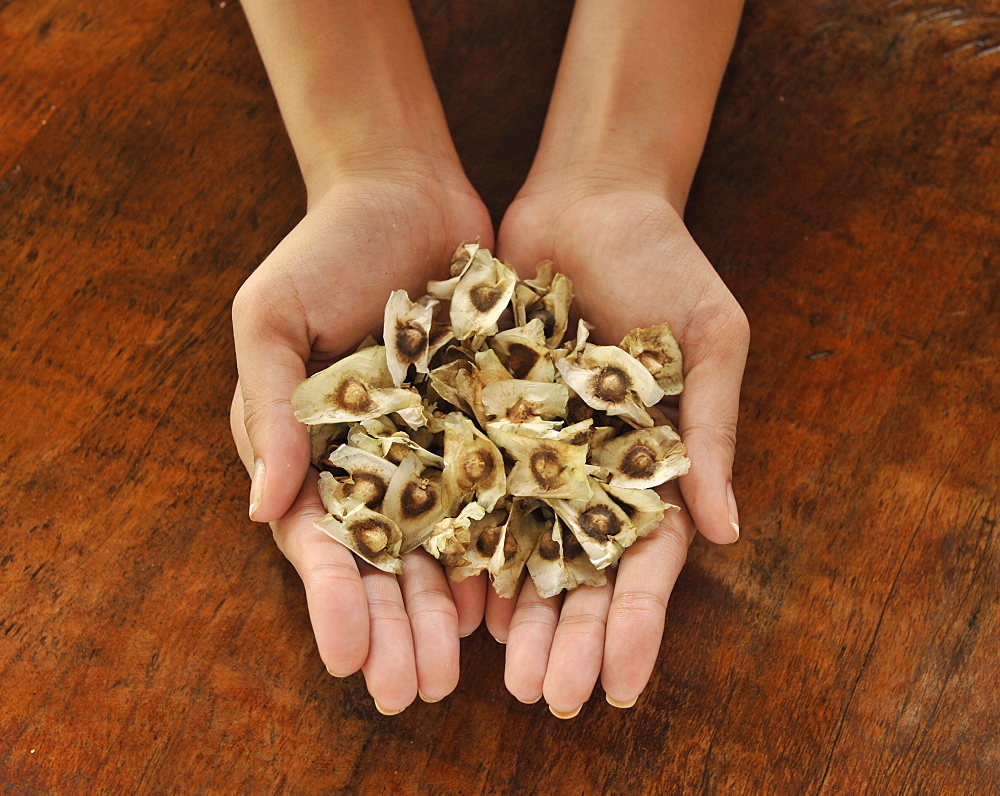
153,640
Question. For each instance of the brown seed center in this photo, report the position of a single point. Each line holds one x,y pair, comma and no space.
547,318
352,395
611,384
522,411
548,548
411,341
477,465
571,547
485,297
639,462
372,536
522,360
417,498
488,540
598,522
546,467
369,487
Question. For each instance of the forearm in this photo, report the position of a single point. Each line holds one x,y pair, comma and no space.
635,93
352,83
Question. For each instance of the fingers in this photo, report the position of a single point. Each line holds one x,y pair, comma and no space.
434,624
577,650
271,362
470,601
709,407
390,669
646,576
532,628
338,606
499,612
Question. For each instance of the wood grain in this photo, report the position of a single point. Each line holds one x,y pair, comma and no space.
153,640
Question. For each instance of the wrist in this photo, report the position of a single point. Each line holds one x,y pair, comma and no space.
353,86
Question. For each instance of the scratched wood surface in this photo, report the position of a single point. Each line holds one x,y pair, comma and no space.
153,640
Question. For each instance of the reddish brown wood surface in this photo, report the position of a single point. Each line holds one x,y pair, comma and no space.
153,640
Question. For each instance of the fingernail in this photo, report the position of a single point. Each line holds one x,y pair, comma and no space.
257,487
499,640
425,699
528,701
334,674
385,712
616,704
559,715
734,517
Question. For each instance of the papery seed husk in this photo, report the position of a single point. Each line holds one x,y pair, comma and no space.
369,474
415,501
358,387
544,468
516,401
482,294
361,531
645,508
643,458
656,348
607,378
473,464
523,351
600,525
451,536
324,438
552,571
520,536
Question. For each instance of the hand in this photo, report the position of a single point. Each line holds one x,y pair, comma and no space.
311,301
632,263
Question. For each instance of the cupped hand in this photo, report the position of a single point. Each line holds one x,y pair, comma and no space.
633,263
311,301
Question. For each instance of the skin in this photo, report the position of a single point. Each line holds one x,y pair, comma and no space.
388,202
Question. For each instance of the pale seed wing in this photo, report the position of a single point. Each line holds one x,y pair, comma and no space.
643,458
370,535
415,501
656,348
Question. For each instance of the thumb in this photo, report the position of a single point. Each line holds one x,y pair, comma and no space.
269,369
709,407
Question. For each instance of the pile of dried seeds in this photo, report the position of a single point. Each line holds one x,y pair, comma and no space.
477,433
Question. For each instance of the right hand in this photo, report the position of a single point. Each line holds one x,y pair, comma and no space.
310,302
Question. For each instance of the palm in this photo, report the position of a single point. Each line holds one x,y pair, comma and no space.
632,263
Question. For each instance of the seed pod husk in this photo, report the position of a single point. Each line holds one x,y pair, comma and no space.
358,387
517,401
643,458
369,475
524,353
406,331
644,507
485,532
544,468
600,525
609,379
392,446
451,536
415,501
473,464
481,295
559,562
546,298
370,535
470,384
520,536
323,439
657,350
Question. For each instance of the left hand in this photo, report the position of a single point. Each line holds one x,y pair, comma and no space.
632,263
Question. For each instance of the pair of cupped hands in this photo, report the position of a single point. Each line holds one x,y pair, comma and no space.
632,263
